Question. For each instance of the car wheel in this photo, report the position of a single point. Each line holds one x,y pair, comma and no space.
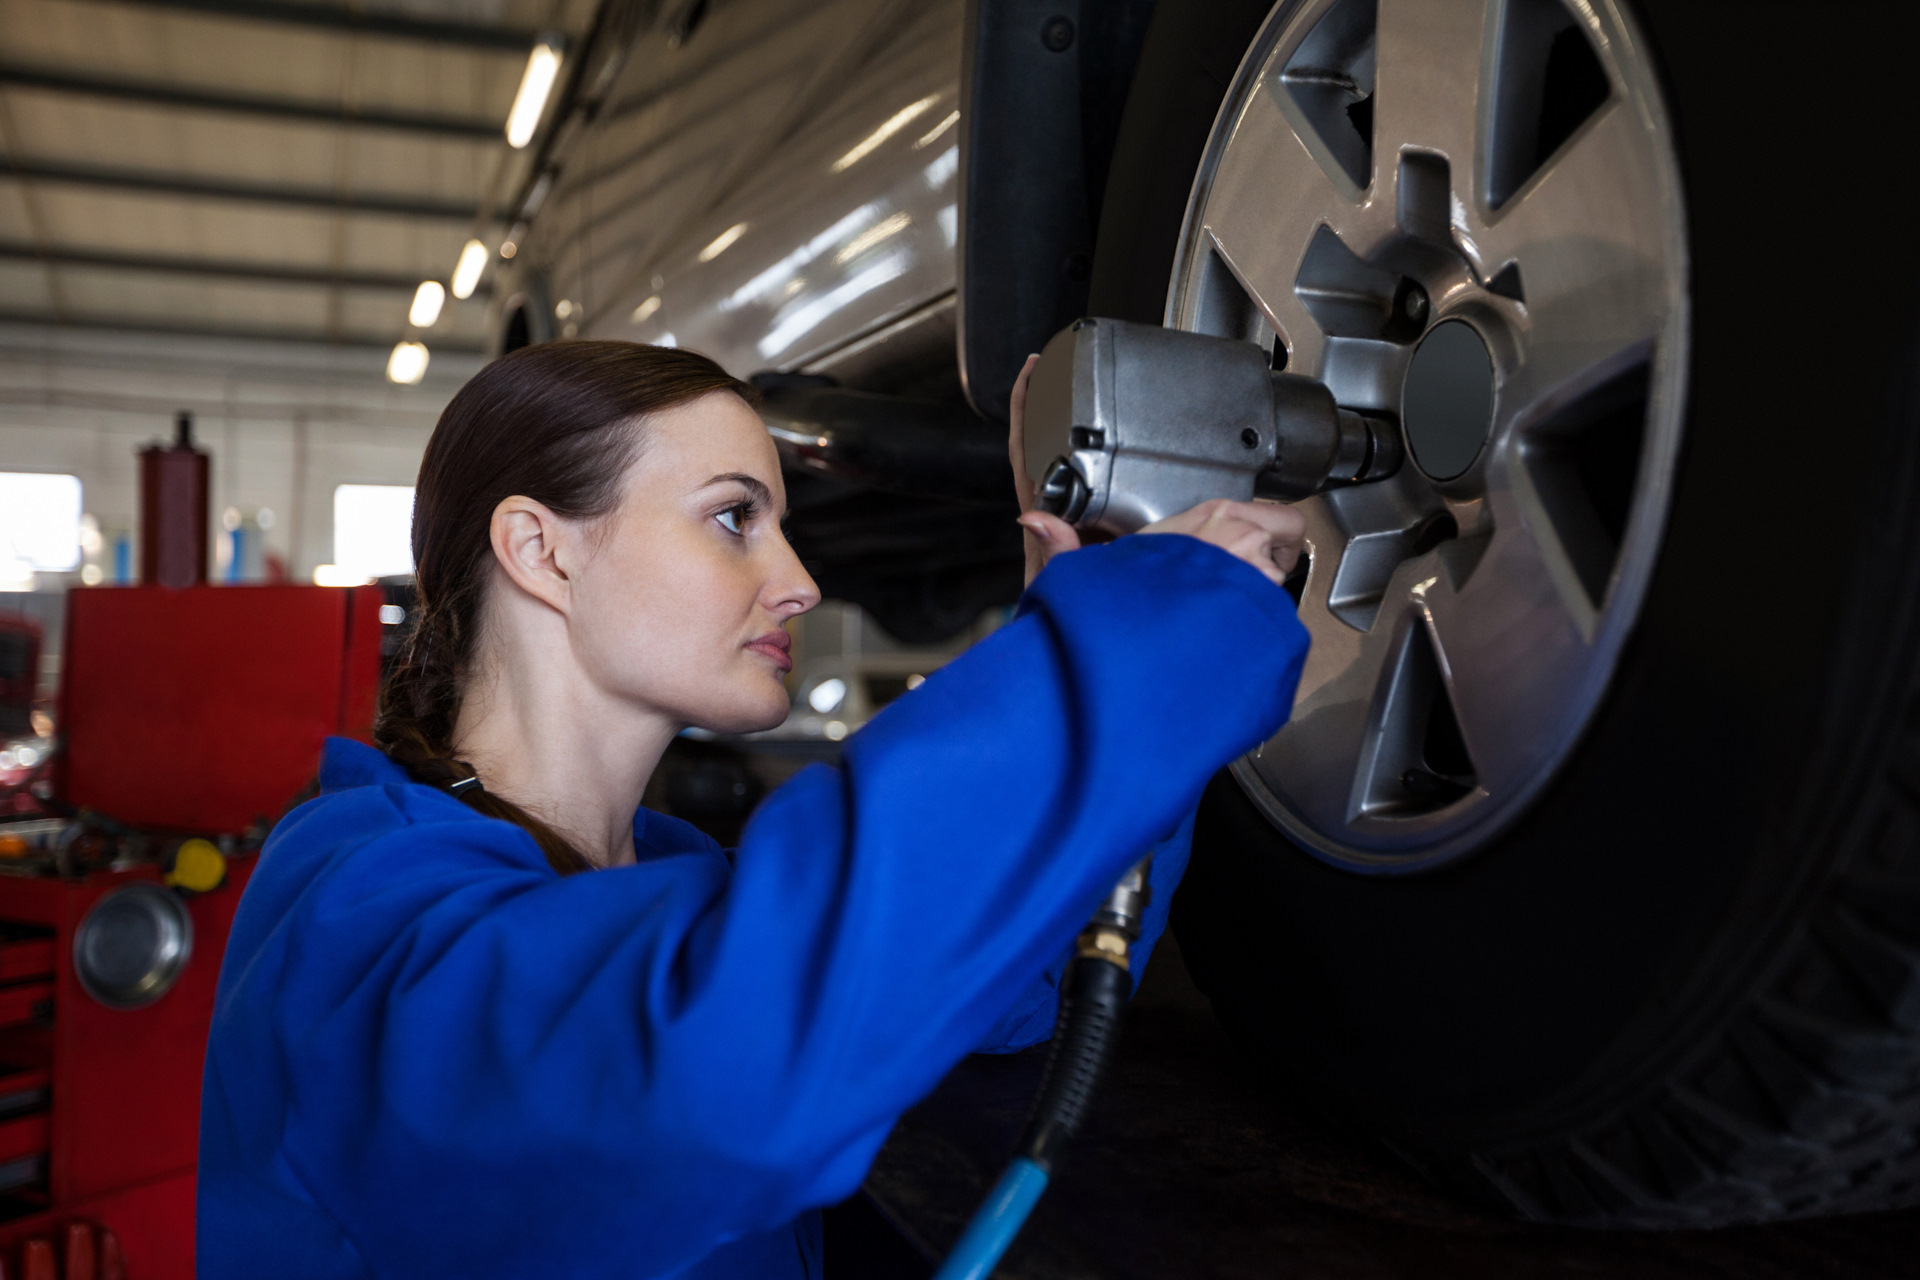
1587,872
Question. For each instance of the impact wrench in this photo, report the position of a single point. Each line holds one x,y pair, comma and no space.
1127,424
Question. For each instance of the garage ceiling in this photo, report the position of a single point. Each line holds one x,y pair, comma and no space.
257,168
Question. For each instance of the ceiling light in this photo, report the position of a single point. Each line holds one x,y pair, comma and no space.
646,309
427,301
408,363
723,242
894,124
466,272
543,65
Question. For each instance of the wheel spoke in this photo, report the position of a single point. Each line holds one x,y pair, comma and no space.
1317,755
1512,650
1263,237
1591,234
1428,75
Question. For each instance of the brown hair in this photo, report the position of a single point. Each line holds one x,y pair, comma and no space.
558,423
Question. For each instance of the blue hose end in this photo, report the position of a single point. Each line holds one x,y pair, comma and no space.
996,1222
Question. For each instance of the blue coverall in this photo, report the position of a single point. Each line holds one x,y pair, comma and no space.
432,1056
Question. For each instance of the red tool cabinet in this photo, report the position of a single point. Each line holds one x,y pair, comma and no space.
190,712
100,1106
202,709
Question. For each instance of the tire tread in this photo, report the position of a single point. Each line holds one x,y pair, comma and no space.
1806,1104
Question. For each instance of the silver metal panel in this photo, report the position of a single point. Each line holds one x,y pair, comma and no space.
781,188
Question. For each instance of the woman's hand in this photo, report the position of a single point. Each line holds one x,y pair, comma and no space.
1267,535
1046,535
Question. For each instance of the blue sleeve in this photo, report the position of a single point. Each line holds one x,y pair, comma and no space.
442,1045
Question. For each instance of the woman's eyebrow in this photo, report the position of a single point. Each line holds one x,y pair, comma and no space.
759,490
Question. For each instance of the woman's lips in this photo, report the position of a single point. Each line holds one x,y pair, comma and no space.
773,646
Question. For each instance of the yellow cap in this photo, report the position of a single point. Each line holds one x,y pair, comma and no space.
198,866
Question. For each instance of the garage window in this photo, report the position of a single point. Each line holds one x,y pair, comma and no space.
372,530
39,522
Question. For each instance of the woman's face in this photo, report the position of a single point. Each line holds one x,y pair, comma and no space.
682,606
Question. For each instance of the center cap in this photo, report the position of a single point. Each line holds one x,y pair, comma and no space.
1446,403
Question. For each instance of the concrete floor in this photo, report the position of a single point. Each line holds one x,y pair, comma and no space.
1236,1185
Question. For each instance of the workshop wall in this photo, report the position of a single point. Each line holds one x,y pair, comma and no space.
284,425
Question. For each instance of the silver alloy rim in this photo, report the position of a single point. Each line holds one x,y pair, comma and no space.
1521,182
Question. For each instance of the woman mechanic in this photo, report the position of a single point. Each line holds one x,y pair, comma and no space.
442,1048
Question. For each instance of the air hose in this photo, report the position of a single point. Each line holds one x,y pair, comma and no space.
1093,993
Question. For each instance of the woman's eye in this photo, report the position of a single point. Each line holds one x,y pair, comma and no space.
734,518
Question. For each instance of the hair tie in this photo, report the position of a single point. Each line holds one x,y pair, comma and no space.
464,785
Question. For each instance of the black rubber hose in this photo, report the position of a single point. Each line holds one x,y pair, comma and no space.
1084,1034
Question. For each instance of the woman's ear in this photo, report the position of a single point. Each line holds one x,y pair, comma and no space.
536,548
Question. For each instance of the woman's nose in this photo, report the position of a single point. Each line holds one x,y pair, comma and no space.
791,590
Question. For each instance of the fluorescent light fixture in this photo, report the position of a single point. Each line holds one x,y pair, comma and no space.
427,301
723,242
646,309
408,363
543,65
933,134
894,124
466,272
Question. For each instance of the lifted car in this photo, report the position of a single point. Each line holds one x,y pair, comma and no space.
1587,872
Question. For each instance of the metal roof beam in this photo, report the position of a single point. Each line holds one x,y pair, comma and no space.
216,268
53,80
193,185
330,17
254,333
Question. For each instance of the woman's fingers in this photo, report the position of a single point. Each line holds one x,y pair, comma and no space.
1017,435
1266,535
1046,537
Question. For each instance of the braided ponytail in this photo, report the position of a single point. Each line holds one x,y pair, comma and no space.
558,423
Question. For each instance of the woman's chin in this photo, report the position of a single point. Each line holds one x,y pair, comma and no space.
745,717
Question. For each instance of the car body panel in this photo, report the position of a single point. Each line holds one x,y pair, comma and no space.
677,221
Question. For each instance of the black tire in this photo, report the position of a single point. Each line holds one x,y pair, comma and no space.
1684,990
